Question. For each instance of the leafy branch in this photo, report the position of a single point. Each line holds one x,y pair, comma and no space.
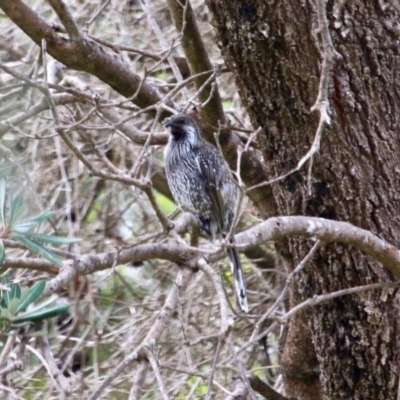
15,225
15,300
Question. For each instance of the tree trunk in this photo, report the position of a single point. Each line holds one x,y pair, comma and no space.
273,50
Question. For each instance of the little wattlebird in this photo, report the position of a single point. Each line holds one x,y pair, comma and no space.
201,183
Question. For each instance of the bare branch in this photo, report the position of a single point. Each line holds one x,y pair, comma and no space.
273,229
240,392
154,364
129,130
52,368
140,377
14,366
322,102
198,60
83,54
241,369
323,298
154,333
286,288
161,38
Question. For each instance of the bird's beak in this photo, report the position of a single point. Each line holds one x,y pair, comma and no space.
168,123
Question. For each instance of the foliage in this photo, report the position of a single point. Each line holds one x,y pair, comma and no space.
16,226
15,301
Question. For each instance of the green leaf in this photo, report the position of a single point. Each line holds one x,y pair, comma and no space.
2,252
13,305
43,304
5,282
17,209
17,326
38,248
34,220
10,298
3,303
24,293
3,201
5,314
6,297
41,315
15,291
54,240
34,292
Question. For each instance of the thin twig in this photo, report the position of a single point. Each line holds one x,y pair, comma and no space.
310,303
153,334
7,349
225,323
213,369
323,298
242,371
137,387
156,370
161,38
240,391
286,288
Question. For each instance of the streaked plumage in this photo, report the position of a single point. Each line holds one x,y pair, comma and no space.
202,184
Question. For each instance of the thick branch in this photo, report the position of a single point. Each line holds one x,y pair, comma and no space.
327,231
89,264
273,229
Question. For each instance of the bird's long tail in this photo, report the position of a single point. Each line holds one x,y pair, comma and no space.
237,272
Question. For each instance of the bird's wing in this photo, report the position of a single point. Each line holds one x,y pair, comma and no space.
213,170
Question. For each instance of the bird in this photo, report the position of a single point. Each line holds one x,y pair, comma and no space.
201,183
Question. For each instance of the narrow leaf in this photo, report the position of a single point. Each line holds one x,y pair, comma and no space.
41,315
17,209
36,219
37,248
5,314
54,240
24,293
43,304
6,287
13,305
3,303
2,252
6,297
17,326
15,291
3,201
34,292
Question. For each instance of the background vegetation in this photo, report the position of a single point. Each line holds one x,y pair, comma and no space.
301,98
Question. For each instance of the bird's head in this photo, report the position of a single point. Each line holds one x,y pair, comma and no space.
183,128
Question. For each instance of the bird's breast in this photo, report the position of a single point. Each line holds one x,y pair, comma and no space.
185,181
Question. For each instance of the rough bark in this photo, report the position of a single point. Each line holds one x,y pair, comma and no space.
272,49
